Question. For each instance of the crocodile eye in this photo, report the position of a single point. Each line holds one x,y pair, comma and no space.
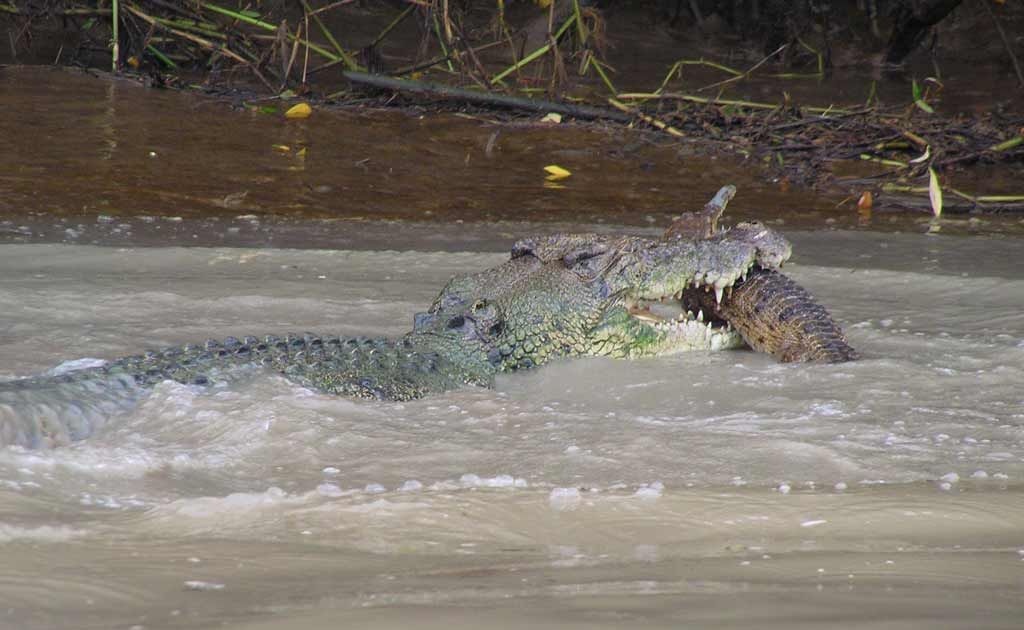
479,305
497,329
456,322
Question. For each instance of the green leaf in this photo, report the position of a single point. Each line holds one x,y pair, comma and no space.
925,107
934,192
919,97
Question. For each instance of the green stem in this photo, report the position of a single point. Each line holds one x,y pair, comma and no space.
350,63
581,28
535,54
598,67
395,22
114,27
1009,144
725,101
888,187
192,26
1000,198
878,160
162,57
320,50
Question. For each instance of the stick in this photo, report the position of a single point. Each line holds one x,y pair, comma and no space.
395,22
224,50
650,120
483,98
439,59
535,54
746,74
349,62
725,101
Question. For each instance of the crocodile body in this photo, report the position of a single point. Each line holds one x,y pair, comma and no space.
568,295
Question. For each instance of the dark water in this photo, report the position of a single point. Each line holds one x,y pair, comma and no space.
98,161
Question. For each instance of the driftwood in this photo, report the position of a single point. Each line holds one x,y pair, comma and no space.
488,99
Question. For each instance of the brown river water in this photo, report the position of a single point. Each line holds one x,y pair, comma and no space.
706,490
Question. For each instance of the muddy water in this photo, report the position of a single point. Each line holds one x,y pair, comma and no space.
707,490
112,162
724,489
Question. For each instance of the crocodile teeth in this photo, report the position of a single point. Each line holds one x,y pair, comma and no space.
700,315
718,294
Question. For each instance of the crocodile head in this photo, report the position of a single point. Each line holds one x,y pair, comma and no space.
597,295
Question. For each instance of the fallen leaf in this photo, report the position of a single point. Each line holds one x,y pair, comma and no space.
283,148
923,158
552,117
866,201
934,192
302,110
556,172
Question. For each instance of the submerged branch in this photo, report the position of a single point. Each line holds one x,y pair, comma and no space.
489,99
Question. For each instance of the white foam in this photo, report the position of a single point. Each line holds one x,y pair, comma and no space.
76,364
41,534
564,498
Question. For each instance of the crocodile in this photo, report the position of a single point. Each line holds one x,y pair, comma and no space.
697,287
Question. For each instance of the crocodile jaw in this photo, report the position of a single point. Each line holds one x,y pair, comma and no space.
669,329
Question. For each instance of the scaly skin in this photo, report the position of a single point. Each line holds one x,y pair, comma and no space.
775,315
568,295
771,312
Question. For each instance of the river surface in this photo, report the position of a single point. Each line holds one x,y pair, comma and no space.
704,490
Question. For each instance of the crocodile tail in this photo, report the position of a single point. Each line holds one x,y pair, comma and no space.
45,412
776,315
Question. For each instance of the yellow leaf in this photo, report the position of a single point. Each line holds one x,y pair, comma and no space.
301,152
556,172
283,148
302,110
552,117
543,3
934,192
